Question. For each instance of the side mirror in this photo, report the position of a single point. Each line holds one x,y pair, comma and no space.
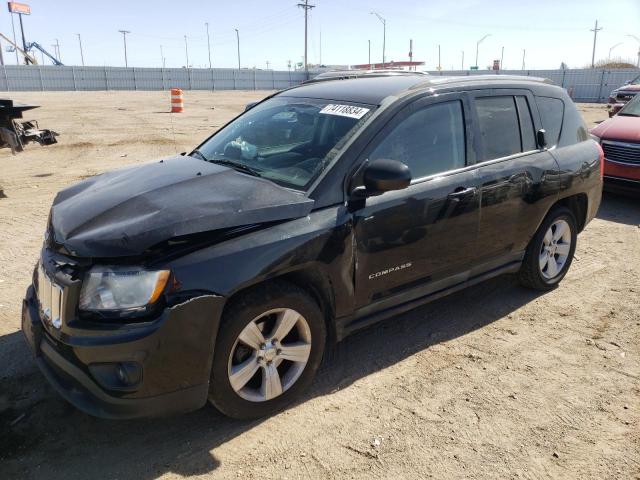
384,176
541,137
249,106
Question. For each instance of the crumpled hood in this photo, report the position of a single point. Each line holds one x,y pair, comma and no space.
126,211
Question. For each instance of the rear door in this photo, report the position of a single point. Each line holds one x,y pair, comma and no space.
513,172
425,233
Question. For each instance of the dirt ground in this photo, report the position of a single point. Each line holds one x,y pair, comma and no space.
492,382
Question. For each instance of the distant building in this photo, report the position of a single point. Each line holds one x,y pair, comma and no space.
388,66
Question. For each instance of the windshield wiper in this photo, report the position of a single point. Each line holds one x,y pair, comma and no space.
241,167
197,153
625,114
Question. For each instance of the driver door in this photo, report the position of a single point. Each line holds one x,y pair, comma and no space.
423,237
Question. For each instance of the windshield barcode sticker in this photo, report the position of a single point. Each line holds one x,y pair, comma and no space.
345,111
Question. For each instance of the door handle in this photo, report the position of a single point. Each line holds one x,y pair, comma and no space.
462,192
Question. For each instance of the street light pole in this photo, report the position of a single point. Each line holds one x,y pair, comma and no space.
502,59
384,36
124,38
369,54
478,46
611,49
81,53
162,56
238,40
524,52
462,65
186,50
208,43
637,40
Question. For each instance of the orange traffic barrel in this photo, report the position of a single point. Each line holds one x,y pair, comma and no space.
177,103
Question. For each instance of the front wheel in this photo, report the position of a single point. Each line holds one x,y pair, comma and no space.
268,350
550,251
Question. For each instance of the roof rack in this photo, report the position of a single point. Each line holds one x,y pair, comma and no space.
350,74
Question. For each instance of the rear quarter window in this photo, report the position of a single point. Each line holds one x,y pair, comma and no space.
552,113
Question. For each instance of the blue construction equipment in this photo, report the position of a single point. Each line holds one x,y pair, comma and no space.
42,49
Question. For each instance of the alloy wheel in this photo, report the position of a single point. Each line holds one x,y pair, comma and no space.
269,355
555,249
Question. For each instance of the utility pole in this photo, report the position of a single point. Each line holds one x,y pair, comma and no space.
267,64
320,48
57,45
208,43
162,56
524,52
478,46
462,65
502,59
369,54
186,50
124,38
81,53
384,36
410,51
2,55
439,64
238,39
637,40
595,35
306,6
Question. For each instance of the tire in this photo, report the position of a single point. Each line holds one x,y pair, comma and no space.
259,316
537,274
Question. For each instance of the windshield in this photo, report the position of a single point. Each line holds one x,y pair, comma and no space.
632,108
287,140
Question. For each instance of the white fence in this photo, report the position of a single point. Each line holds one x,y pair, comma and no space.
51,78
585,85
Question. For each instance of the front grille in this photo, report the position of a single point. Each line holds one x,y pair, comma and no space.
624,96
622,152
51,299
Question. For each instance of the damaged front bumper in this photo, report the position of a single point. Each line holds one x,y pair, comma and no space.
156,368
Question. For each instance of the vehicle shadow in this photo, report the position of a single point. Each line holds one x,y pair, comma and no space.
620,208
48,436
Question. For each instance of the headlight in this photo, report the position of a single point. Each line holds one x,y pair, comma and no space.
121,288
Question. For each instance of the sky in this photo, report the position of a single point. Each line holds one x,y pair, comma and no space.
551,31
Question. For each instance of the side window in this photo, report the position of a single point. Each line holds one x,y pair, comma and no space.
526,124
429,141
499,126
551,112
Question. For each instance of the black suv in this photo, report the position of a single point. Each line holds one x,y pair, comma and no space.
325,208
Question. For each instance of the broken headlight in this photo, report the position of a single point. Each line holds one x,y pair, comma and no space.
121,288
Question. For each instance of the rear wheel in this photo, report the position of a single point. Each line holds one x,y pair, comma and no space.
268,350
550,251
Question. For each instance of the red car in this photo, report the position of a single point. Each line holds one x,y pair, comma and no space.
622,95
620,140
